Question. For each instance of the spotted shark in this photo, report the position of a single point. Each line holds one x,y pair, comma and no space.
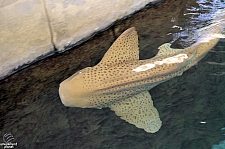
121,81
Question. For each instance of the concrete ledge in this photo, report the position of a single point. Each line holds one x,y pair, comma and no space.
24,34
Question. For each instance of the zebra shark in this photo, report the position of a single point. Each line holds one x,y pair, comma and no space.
121,81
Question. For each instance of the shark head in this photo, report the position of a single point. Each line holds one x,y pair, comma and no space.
73,90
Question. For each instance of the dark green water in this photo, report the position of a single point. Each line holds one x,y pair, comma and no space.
191,107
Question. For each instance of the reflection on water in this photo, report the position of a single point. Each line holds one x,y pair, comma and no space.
191,106
195,19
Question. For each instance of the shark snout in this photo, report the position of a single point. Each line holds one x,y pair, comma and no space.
62,93
71,95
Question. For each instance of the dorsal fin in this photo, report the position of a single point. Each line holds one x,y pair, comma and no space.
165,50
125,48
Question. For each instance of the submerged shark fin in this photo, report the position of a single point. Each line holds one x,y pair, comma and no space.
125,48
165,50
139,110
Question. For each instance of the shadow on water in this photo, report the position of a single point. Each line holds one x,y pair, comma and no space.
191,106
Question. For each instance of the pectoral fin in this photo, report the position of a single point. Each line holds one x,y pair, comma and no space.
139,110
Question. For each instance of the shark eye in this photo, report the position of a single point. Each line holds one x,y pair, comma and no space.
76,74
80,72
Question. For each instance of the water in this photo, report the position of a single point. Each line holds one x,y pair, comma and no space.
191,106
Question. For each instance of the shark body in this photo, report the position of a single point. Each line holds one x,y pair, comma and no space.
121,81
